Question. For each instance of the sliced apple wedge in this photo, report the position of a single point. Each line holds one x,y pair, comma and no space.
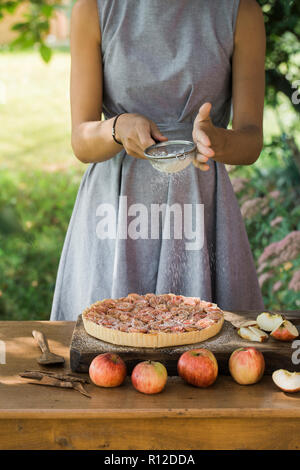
287,381
285,332
269,321
251,333
248,323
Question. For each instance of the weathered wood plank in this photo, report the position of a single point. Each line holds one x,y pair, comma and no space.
278,355
151,434
224,399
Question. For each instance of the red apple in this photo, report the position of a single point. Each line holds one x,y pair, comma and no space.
285,332
107,370
246,365
149,377
198,367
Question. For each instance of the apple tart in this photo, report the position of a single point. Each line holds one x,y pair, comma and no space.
153,321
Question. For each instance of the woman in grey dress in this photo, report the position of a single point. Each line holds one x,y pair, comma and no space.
173,68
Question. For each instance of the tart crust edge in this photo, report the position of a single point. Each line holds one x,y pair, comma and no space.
151,340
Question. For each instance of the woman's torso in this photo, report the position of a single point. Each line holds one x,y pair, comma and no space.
164,58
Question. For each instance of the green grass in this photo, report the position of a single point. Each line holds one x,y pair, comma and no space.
39,178
35,121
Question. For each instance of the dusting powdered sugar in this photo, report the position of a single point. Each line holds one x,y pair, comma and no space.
172,156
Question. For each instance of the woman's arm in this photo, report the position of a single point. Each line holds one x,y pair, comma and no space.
91,138
241,145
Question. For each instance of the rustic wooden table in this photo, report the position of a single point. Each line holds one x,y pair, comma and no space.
225,416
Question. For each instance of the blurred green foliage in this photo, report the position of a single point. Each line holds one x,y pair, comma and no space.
39,179
279,186
282,21
33,29
33,223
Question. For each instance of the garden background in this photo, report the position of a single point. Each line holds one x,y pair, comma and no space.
39,176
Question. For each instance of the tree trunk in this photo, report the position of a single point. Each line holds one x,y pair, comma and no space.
280,83
295,151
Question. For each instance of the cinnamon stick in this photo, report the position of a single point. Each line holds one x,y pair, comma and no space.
56,380
61,376
53,382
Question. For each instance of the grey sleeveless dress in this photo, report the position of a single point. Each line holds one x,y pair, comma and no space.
162,59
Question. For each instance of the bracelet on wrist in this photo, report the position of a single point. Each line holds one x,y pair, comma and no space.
113,132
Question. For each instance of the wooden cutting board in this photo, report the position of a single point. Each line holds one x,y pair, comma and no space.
278,354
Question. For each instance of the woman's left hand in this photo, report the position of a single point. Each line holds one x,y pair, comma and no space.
207,137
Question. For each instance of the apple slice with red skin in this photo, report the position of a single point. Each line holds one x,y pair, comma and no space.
198,367
251,333
246,365
287,381
285,332
269,321
149,377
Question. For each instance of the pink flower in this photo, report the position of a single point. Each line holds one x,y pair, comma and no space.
277,286
262,267
264,277
295,281
274,194
280,252
253,206
238,184
276,221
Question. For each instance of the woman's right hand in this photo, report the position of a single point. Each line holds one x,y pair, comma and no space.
136,132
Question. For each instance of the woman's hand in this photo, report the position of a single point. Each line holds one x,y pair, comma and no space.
136,132
207,137
242,144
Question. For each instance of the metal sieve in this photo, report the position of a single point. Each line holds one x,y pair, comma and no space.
171,156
